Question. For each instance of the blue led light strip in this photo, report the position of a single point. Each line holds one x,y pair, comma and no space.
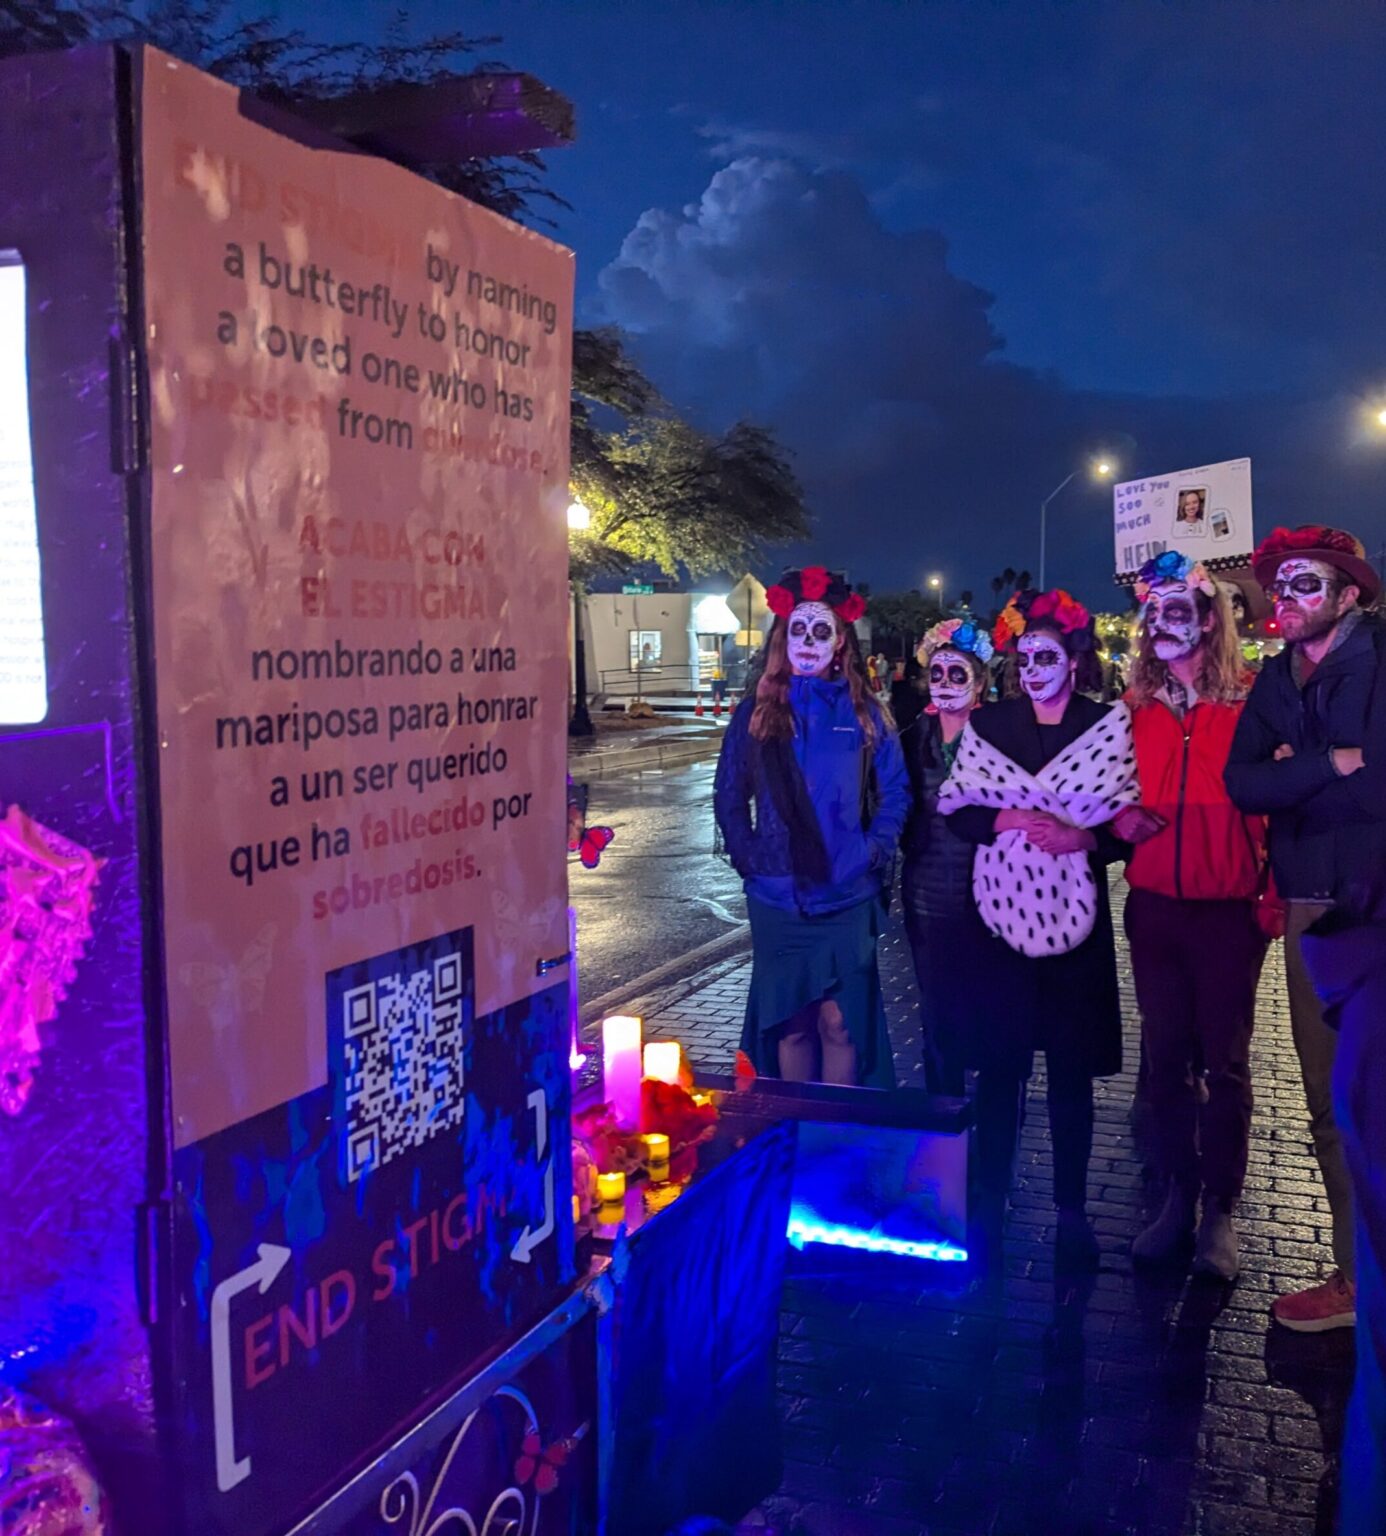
801,1232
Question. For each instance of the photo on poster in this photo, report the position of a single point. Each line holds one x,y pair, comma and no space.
1190,513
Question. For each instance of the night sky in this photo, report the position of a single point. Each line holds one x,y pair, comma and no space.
945,250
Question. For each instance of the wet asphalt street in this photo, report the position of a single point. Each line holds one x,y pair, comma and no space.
659,890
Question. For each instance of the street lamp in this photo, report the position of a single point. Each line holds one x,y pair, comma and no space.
579,521
1099,469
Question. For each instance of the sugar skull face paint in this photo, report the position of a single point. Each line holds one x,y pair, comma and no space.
1305,593
1045,669
1172,621
813,639
952,682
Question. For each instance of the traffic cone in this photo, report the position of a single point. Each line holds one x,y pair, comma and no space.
698,707
717,707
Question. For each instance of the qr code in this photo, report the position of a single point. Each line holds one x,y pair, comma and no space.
401,1060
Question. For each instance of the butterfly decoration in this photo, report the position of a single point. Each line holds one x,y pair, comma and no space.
594,843
230,991
520,928
544,1463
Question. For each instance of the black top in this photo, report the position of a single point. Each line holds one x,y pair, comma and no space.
1327,834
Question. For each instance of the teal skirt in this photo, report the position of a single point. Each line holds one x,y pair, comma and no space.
798,960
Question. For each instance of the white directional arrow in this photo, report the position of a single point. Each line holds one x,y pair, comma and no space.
531,1238
262,1273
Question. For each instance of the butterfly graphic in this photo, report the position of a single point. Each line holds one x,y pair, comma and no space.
520,929
593,845
544,1463
228,992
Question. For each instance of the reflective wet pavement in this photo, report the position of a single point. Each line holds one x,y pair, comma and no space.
1036,1405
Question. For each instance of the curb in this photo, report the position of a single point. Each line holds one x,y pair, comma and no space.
609,765
683,973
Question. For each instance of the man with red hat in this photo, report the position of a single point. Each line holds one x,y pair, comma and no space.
1297,758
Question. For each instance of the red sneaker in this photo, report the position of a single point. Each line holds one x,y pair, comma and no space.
1330,1305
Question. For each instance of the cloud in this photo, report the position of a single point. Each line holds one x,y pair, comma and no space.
782,296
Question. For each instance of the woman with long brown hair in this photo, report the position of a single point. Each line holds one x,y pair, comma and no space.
811,796
1192,915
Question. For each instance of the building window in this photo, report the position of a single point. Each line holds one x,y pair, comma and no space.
645,649
23,673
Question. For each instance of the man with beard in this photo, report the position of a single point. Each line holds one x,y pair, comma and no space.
1195,875
1297,758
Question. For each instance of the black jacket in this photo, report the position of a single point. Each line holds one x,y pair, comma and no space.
938,863
1327,834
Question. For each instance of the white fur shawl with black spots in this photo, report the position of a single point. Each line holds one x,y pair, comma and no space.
1043,903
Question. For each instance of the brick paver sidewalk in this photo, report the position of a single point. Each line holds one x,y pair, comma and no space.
1030,1405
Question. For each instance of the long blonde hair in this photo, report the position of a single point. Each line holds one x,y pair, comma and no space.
1222,674
773,720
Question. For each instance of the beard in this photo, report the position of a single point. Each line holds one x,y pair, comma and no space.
1299,624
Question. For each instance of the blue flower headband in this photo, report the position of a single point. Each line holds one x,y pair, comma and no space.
1173,567
959,634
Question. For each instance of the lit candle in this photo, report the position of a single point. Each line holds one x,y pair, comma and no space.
577,1210
663,1060
702,1099
611,1187
656,1154
621,1068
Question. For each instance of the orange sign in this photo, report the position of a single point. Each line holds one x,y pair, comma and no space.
360,390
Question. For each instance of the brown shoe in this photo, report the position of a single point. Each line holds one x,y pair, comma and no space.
1330,1305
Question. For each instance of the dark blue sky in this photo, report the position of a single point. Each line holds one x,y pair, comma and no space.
945,248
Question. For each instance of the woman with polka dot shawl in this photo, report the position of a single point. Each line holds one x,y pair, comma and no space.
1036,783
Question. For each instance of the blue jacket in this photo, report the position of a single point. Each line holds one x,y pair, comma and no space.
829,750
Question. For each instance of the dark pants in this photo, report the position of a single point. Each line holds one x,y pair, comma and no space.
1000,1098
1196,966
935,969
1349,972
1316,1045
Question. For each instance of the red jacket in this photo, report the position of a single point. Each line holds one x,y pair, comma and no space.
1209,851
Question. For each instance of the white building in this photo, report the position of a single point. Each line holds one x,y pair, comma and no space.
648,644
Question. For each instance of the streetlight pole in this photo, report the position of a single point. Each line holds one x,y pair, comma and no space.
579,521
1044,525
581,722
1100,469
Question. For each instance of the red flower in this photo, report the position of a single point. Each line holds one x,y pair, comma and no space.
851,608
1066,611
780,601
1284,541
669,1108
813,582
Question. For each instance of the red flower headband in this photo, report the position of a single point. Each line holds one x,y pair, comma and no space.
1288,541
815,584
1061,608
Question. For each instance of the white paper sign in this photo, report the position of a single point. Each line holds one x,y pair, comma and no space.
1204,512
23,675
